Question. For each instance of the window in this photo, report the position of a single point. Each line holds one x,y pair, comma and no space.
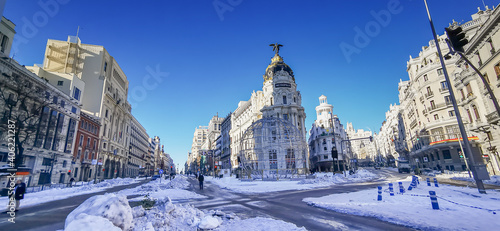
63,103
325,157
440,71
73,109
285,116
65,163
451,113
447,100
80,142
294,100
325,148
446,154
46,162
79,154
425,78
470,117
76,93
469,89
60,83
88,142
433,106
3,45
436,117
86,154
106,114
284,99
490,137
105,66
444,86
497,70
476,113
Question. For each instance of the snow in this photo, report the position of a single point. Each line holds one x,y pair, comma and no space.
175,190
53,194
112,212
114,208
259,186
414,209
464,176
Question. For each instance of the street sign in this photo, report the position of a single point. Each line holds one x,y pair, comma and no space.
161,171
94,162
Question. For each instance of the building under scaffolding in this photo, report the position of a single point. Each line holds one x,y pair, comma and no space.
273,148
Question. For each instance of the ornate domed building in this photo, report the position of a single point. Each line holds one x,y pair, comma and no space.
268,133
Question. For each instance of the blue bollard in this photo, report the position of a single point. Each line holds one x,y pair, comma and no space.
401,188
428,181
418,181
379,198
391,189
434,200
436,183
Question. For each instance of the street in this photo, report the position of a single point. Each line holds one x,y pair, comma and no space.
288,206
51,215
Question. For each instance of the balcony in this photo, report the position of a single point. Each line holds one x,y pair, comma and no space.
443,89
493,118
429,94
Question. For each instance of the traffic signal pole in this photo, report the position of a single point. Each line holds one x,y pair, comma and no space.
468,149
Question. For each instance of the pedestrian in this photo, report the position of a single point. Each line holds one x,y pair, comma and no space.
17,195
71,181
200,179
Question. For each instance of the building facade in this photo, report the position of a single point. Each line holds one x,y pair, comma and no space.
86,150
325,136
138,150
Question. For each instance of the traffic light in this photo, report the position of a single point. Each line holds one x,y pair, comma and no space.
457,38
418,138
371,138
215,167
335,154
460,154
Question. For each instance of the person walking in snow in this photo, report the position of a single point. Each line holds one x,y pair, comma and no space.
200,179
18,194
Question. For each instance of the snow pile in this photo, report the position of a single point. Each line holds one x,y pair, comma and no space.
460,208
495,180
53,194
112,212
112,208
327,179
157,189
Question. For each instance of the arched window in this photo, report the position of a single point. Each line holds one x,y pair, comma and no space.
284,99
476,113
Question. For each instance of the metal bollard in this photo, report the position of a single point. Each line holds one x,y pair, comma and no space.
436,183
401,188
428,181
391,189
434,200
379,198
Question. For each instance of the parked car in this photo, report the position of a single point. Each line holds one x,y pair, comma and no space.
155,177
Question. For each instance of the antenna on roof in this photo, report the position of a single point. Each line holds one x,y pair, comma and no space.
77,31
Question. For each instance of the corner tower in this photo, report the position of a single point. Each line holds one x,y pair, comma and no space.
281,98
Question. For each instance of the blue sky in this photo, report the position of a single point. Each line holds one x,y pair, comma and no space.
216,56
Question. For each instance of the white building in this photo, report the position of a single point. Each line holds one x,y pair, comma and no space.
387,138
199,138
429,118
362,146
322,140
66,64
279,98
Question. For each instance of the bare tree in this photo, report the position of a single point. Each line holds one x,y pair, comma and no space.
22,101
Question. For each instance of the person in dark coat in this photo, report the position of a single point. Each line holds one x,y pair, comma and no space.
200,179
71,182
18,194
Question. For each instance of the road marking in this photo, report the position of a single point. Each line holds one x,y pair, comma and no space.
41,211
334,224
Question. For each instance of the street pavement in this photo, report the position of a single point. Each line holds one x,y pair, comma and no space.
288,205
51,215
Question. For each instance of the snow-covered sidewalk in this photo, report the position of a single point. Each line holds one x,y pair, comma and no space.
460,208
63,193
321,180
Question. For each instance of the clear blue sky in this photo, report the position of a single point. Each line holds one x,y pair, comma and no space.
216,58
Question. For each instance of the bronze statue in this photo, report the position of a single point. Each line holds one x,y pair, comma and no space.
276,47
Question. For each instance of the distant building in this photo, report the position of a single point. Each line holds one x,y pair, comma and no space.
325,136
